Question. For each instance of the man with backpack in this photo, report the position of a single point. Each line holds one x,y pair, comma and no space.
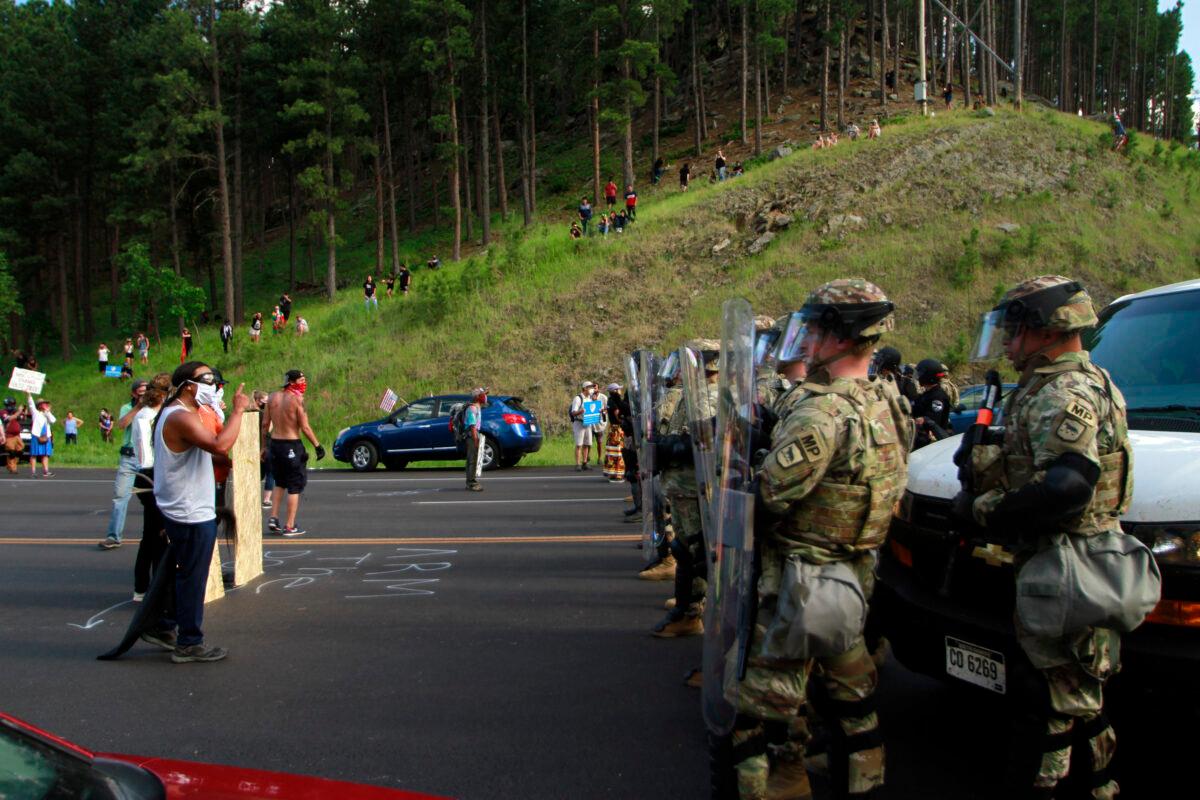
582,432
466,425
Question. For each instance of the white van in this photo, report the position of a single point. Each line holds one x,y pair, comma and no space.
945,600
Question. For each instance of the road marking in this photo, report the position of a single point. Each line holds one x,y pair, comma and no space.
456,477
419,540
482,502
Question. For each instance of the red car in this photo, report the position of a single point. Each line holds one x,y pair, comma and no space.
41,766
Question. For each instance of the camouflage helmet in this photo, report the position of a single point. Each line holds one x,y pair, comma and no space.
850,308
763,323
1050,302
709,351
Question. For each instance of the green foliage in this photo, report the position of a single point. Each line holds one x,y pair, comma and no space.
956,355
151,293
1166,211
963,269
10,299
1033,240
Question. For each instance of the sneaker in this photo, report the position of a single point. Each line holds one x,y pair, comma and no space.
669,603
197,652
475,487
163,639
47,474
110,543
578,468
266,503
295,530
273,525
629,512
138,596
662,571
634,518
587,467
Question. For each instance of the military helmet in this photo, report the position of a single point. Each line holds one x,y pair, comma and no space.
763,323
887,358
709,351
1050,302
929,370
850,308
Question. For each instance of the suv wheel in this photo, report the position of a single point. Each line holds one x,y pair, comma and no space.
363,456
491,455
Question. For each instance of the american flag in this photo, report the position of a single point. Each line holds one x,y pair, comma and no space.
389,401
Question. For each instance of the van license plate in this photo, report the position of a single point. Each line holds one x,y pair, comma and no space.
975,664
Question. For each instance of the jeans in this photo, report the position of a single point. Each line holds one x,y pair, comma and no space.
370,301
721,173
192,548
126,472
584,223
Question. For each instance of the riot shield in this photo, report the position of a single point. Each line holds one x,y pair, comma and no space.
701,419
652,529
729,609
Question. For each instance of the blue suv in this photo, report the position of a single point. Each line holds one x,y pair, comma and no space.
420,431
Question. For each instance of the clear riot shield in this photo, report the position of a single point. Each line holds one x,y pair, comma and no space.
729,609
652,527
701,418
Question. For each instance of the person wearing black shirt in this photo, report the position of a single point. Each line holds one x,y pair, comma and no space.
887,368
389,281
405,279
369,298
720,165
285,307
931,410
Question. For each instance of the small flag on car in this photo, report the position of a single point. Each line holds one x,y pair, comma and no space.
389,401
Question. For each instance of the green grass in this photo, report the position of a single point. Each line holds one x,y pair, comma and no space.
539,312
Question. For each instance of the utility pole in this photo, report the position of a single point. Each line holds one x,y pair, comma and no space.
921,89
1018,90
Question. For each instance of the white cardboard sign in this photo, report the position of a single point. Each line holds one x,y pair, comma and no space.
26,380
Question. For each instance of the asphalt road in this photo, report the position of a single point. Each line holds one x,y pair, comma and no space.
487,645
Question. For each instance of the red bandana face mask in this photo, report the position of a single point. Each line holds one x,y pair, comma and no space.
298,388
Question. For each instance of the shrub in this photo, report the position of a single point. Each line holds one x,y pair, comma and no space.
956,355
1033,239
963,269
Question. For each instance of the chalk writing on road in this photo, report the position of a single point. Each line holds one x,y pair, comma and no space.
399,573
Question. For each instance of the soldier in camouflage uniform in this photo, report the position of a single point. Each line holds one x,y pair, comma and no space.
1067,467
836,468
685,617
672,398
768,383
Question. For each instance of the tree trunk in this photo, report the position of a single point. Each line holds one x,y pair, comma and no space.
696,84
222,177
501,182
745,67
825,70
172,205
81,299
883,56
526,123
627,105
896,63
330,222
291,229
237,199
391,178
465,151
758,100
966,59
380,236
64,302
870,40
485,167
657,95
455,178
595,109
412,163
85,228
841,117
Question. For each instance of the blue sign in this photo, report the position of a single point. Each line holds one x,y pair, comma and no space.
591,412
112,372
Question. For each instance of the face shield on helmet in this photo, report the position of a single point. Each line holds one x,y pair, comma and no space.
787,348
764,346
989,343
669,370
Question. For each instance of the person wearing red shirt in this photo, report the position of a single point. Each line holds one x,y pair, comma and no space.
630,203
610,193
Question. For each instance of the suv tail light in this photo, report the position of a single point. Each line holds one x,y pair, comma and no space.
515,419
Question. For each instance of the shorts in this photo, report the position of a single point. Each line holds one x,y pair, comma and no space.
289,464
583,434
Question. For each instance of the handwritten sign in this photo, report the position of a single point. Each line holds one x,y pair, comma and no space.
26,380
591,412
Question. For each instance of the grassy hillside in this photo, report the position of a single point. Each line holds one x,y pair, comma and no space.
916,211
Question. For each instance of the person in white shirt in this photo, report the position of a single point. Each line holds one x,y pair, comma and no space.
41,433
154,539
583,433
102,356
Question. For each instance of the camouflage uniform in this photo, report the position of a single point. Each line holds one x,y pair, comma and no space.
1068,406
679,486
837,466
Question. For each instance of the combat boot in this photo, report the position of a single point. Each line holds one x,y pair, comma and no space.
788,780
669,603
662,571
676,625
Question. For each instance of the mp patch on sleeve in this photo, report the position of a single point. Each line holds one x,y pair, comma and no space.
813,445
1081,413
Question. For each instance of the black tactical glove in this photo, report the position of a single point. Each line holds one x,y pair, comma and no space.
320,452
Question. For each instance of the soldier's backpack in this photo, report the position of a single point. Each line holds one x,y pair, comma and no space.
458,422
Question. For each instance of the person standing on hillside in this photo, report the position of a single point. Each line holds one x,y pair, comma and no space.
389,285
186,495
101,355
127,467
585,214
256,326
226,334
405,278
71,428
685,174
472,419
129,351
630,203
186,351
369,298
610,193
285,307
284,420
143,346
948,96
719,163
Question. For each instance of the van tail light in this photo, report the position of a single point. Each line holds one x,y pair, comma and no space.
1176,612
515,419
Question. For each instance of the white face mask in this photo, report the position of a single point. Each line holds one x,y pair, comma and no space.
205,395
219,398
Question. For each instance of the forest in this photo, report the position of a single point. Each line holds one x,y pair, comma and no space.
148,148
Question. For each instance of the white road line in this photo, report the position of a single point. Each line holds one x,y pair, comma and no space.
479,502
457,477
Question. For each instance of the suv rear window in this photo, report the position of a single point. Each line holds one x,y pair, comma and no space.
516,405
1149,345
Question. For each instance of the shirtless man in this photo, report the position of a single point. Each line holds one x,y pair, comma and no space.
283,420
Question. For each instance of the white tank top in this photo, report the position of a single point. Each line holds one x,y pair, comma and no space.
184,487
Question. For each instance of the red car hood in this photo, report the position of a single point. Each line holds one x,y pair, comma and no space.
192,779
